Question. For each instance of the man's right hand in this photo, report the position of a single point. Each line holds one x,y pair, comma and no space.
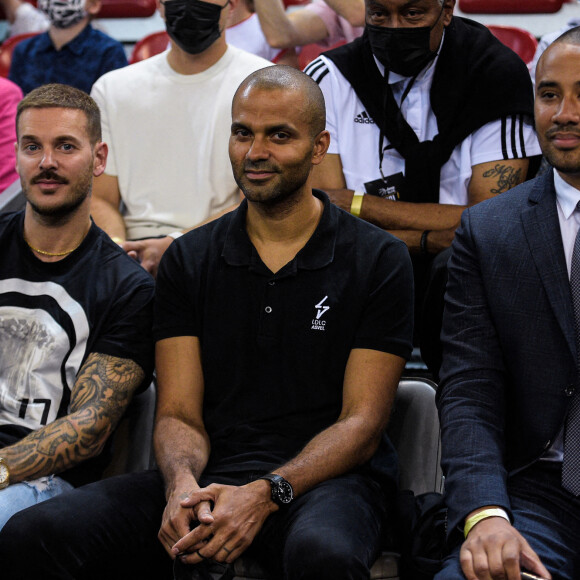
238,513
178,521
494,549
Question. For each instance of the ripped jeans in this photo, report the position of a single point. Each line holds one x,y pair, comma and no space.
19,496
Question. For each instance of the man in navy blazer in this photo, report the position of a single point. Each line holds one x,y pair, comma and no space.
510,367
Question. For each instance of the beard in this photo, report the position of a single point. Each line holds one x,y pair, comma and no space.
565,161
78,193
562,162
280,190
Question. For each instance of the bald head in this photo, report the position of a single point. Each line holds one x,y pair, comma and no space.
289,79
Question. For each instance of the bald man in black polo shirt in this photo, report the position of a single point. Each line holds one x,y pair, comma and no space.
282,330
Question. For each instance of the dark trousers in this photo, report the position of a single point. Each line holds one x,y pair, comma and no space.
546,515
109,530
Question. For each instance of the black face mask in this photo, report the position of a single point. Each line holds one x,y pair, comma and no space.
405,51
192,24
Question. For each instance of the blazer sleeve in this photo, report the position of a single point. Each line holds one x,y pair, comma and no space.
472,394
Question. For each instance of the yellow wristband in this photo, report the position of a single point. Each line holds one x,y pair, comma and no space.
483,515
356,204
117,240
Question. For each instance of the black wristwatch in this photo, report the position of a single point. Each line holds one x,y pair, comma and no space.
282,492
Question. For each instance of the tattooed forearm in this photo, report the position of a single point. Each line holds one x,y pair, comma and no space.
507,177
100,396
108,383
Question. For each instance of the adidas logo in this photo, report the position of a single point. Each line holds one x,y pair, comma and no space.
364,118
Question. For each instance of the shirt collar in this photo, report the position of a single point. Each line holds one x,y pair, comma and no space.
44,42
317,253
77,45
567,195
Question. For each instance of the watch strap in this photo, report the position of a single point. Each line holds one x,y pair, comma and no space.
273,477
277,482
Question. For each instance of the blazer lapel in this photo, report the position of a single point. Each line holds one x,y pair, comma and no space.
542,230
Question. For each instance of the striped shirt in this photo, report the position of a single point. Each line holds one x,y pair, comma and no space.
355,136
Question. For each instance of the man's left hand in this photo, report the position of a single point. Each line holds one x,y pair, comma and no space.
148,252
238,512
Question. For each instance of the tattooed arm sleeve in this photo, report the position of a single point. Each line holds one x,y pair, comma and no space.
101,394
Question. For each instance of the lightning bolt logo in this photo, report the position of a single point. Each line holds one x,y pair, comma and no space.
321,309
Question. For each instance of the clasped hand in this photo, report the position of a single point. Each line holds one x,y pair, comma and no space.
226,518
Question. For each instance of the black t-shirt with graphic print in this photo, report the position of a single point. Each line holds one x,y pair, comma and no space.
53,315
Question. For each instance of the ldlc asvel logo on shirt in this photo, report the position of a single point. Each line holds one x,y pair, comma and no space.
321,309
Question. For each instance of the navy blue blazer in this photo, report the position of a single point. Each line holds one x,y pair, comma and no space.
509,351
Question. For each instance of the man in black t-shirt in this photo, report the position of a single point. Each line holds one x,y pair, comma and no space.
282,330
75,311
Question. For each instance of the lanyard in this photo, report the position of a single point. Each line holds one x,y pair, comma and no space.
382,135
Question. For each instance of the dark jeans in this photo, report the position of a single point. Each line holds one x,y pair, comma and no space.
109,530
546,515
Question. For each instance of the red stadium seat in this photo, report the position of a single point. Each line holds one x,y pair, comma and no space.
149,45
509,6
6,50
127,8
118,9
521,41
310,51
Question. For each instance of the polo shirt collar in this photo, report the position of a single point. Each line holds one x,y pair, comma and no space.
317,253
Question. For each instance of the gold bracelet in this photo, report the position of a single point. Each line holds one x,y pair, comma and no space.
483,515
356,204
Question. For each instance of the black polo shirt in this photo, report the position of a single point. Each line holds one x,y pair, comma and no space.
275,346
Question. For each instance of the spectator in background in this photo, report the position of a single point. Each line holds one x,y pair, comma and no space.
24,17
324,22
10,96
244,31
166,121
71,52
441,115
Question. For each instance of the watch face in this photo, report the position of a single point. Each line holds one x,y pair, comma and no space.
3,474
284,492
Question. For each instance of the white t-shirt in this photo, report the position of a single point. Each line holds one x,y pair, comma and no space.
168,139
248,35
355,136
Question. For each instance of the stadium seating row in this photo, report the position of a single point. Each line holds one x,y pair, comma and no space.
520,41
137,8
